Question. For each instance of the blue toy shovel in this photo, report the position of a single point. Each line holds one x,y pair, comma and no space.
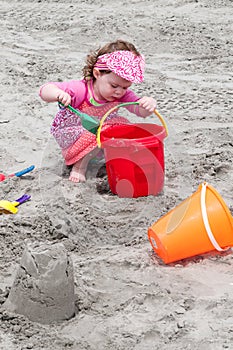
18,174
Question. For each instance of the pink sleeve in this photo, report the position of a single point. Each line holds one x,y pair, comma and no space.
76,89
130,96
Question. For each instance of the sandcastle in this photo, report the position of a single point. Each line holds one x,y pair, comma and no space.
43,289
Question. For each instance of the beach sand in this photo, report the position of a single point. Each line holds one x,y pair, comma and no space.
125,296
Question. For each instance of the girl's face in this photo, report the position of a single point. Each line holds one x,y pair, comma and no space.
109,87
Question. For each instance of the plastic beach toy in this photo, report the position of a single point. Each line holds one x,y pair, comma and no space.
18,174
7,207
134,155
200,224
88,122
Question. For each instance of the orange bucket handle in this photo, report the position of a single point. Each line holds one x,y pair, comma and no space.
206,221
122,105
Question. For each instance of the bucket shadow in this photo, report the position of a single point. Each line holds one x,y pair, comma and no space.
213,255
99,172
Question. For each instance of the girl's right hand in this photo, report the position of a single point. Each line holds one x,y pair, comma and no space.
64,98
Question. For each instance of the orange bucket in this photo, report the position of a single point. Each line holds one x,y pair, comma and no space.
200,224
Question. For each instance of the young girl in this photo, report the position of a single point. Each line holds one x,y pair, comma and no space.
108,75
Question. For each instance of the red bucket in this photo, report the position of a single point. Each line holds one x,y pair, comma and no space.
134,155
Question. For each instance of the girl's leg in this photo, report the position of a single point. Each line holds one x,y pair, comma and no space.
78,172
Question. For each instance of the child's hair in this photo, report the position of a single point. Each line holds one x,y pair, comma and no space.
91,59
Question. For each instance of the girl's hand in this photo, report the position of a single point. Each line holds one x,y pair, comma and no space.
148,103
64,98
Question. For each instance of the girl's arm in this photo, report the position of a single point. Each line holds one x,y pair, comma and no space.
51,93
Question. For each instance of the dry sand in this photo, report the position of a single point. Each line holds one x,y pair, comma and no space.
125,297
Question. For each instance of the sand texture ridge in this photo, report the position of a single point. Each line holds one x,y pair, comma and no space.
114,292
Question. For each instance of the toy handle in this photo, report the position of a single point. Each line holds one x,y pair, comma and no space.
81,115
206,221
25,171
122,105
21,200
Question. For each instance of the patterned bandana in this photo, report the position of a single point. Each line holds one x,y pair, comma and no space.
123,63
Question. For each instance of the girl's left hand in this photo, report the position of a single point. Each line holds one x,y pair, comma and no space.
147,103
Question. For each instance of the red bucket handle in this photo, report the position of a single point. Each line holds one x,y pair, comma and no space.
122,105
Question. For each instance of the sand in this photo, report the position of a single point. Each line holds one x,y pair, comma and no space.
125,296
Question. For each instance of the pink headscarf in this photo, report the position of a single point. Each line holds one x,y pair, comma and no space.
123,63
